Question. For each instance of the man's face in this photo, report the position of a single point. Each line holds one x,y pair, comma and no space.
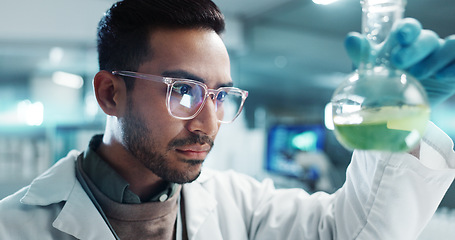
174,149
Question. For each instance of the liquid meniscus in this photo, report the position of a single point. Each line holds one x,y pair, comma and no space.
389,128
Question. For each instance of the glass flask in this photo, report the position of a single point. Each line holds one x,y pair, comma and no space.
379,107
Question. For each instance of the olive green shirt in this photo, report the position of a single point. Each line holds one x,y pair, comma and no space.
110,182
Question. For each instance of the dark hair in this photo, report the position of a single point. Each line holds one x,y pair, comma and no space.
123,32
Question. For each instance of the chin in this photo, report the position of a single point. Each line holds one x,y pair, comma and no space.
187,173
193,171
187,177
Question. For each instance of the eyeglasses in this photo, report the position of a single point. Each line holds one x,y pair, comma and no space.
185,98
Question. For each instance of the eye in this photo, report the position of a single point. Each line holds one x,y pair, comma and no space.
182,89
221,96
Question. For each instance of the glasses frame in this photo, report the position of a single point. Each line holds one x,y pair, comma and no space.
169,81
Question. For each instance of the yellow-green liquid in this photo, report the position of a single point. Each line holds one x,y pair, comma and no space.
388,128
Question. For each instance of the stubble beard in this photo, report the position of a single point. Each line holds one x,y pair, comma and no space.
139,142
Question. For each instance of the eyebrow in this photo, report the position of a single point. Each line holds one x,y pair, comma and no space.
187,75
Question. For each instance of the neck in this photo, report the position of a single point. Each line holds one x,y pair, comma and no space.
143,182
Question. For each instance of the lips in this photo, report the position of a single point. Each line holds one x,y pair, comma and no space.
196,151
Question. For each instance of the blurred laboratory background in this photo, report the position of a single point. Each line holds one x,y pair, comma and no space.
288,54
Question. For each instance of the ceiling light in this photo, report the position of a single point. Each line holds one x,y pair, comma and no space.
30,113
68,79
324,2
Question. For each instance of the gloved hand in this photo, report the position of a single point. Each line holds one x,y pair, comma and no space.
419,52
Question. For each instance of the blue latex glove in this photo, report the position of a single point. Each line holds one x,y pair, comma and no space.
421,53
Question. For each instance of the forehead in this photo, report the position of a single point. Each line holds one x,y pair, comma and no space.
199,52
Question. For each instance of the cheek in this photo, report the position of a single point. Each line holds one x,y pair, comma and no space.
164,127
161,126
149,101
150,98
150,105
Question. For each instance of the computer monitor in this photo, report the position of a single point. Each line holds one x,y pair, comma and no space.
287,143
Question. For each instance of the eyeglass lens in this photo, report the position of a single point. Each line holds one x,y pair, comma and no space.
186,98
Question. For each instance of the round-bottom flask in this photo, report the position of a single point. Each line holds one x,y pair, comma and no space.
380,109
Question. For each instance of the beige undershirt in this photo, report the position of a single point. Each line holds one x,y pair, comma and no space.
150,220
128,217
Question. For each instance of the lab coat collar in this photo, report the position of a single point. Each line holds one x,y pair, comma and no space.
55,184
78,217
200,210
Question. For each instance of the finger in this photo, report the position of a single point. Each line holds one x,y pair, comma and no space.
406,31
437,61
403,33
438,90
406,56
355,44
447,74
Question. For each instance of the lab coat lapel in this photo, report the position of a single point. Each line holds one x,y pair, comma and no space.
54,185
200,213
78,217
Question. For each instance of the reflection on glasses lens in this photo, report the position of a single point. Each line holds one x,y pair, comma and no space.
186,99
228,105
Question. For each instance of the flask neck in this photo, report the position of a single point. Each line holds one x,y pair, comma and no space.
378,19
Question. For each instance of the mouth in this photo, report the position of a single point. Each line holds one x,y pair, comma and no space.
194,152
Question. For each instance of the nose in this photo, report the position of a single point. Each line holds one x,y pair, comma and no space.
206,122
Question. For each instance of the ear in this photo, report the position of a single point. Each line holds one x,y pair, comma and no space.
110,92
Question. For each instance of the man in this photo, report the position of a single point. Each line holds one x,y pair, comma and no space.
164,83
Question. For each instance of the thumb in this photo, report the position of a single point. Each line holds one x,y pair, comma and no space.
356,44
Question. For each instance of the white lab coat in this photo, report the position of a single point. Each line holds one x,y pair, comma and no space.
386,196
